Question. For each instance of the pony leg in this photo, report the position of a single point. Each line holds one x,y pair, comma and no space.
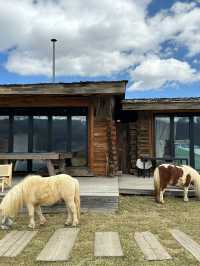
30,208
161,196
40,215
186,194
69,215
72,207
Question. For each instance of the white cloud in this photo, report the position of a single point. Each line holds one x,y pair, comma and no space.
100,38
92,35
180,24
155,73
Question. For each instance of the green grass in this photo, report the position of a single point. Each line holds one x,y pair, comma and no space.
135,214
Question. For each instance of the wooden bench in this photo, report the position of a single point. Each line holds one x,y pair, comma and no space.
49,157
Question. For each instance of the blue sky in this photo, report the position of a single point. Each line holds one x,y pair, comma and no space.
155,45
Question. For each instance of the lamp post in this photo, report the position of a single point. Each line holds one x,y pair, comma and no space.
53,63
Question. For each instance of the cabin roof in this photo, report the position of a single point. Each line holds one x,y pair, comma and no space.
161,104
85,88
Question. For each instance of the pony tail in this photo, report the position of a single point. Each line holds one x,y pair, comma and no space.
77,198
196,181
157,184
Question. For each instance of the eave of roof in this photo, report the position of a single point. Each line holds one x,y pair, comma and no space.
161,104
75,88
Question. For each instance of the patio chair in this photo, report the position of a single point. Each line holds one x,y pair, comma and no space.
5,176
143,166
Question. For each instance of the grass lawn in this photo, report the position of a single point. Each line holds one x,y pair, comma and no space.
135,214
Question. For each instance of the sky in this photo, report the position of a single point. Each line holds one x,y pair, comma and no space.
154,44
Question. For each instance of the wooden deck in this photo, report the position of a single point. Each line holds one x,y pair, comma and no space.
134,185
97,194
102,193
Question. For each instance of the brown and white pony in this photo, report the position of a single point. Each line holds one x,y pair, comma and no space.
169,174
35,191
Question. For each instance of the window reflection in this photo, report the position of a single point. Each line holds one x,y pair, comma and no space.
162,125
181,137
4,133
79,140
59,133
40,133
20,139
197,142
40,140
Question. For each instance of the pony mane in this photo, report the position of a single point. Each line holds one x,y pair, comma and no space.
13,201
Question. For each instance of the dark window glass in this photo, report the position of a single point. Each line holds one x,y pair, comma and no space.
181,137
40,133
197,142
4,133
162,130
40,141
59,133
79,140
20,139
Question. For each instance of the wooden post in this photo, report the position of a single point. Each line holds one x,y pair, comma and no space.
91,137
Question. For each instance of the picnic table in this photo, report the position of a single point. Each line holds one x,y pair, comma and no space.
48,157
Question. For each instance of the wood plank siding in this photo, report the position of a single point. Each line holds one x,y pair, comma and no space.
140,138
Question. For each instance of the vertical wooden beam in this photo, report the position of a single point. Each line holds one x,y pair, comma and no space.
91,137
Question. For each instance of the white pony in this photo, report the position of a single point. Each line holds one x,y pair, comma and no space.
182,176
34,191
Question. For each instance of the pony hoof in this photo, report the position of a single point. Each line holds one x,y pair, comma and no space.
186,200
31,226
43,222
75,224
68,224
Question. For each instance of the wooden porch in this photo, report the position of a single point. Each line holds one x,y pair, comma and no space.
134,185
99,194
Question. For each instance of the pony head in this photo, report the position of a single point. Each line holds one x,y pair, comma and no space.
5,222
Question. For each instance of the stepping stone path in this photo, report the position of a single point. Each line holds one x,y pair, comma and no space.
107,244
188,243
151,247
59,246
14,242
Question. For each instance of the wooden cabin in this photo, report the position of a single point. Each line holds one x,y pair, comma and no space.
160,128
102,133
78,118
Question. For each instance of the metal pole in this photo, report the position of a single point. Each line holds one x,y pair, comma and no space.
53,63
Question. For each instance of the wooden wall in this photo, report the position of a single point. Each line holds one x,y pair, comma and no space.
140,138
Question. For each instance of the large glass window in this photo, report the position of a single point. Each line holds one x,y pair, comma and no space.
20,139
40,140
182,133
181,137
162,125
44,130
40,134
197,142
4,133
79,140
60,133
